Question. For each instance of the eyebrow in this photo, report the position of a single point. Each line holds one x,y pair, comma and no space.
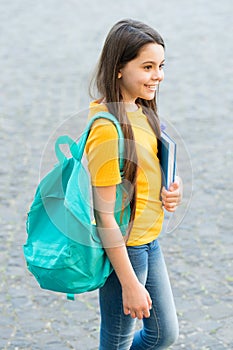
153,62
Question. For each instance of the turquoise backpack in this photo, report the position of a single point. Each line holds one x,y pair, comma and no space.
63,250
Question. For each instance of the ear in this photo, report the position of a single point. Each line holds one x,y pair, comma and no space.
119,75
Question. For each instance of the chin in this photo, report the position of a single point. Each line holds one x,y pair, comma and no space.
148,98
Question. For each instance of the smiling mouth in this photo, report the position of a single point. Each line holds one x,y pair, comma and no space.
151,87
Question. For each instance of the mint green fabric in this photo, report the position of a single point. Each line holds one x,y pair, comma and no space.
63,250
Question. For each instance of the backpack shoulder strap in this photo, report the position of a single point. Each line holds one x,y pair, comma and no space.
113,119
77,149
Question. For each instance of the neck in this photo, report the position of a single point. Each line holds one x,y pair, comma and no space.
131,106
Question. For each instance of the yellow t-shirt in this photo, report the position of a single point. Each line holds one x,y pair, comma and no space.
102,155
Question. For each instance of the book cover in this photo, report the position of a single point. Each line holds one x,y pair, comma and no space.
167,156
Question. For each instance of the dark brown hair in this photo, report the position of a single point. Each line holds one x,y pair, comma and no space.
122,45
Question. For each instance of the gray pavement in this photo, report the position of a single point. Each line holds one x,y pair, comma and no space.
48,50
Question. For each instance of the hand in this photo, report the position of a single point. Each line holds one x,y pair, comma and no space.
171,198
136,301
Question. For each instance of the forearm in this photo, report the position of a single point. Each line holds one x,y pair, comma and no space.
136,299
122,266
114,245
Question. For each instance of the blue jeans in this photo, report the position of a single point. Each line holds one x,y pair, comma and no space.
160,330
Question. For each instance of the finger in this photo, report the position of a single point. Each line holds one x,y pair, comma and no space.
146,313
171,205
126,311
149,301
172,197
174,186
164,192
164,195
140,315
133,314
174,192
172,200
170,210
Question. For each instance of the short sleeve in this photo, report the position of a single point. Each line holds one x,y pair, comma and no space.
102,154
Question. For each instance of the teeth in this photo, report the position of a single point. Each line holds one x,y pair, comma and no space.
151,86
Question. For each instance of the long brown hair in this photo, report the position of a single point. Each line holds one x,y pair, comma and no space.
122,45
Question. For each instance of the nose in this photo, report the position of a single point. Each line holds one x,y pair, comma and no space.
158,75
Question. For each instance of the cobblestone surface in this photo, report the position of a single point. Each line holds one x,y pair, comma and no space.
48,50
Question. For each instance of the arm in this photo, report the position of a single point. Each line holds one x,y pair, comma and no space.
136,299
172,198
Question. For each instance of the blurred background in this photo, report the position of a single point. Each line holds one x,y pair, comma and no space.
49,49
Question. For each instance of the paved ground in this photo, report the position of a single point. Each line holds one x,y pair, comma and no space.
48,49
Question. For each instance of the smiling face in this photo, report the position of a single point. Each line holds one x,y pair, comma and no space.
140,77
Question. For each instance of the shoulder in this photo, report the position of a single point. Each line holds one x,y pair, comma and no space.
104,127
103,133
101,124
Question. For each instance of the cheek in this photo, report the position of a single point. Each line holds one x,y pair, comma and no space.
131,82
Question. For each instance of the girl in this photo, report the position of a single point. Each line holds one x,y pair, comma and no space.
128,77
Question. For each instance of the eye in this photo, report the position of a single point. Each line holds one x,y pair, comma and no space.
148,67
161,66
